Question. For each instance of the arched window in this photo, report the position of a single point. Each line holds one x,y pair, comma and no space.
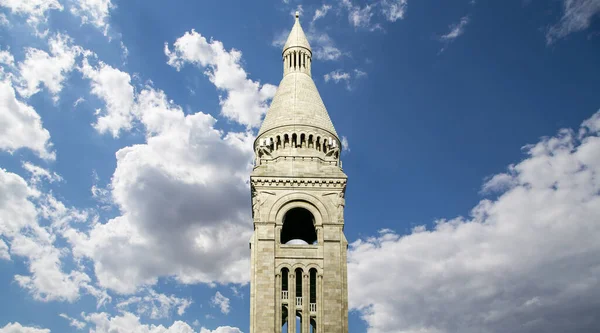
298,227
284,279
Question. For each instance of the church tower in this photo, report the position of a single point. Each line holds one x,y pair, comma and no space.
298,249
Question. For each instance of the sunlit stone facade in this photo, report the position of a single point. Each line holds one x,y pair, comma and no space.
298,250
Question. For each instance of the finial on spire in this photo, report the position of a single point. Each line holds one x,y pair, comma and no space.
297,14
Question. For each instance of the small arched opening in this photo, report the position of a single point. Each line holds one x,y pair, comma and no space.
298,227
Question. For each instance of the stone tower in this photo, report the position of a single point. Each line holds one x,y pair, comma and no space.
298,249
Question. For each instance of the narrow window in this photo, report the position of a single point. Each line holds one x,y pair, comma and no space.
313,285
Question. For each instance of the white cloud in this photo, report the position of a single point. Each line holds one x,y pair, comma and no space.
345,144
246,100
339,76
73,322
38,173
360,17
34,10
394,10
222,329
18,328
114,88
456,29
527,261
21,208
129,323
321,12
21,126
39,67
95,12
183,200
577,16
4,20
221,301
4,254
156,305
324,47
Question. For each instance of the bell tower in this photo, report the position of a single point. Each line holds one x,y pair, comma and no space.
298,250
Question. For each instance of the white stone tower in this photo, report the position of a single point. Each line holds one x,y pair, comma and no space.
298,250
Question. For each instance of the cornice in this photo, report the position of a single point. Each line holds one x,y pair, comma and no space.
298,182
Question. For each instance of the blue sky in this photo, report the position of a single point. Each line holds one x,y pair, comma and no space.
472,151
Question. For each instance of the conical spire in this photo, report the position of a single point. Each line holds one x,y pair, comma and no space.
297,101
297,38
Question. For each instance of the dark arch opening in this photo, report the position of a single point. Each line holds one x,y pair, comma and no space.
313,285
298,223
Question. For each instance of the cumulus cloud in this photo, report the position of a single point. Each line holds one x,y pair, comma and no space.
114,88
18,328
95,12
526,261
577,16
19,223
21,126
127,322
156,305
35,11
220,301
48,69
246,101
183,202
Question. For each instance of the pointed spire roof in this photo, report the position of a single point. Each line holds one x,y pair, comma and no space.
297,38
297,101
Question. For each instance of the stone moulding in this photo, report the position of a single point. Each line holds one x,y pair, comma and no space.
288,182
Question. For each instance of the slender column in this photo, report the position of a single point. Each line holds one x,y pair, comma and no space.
305,303
319,302
292,302
278,302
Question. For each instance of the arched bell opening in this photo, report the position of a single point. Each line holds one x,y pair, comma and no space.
298,227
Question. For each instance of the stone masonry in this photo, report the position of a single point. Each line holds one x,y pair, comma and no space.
298,249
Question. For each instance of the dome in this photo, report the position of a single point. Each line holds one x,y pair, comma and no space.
296,242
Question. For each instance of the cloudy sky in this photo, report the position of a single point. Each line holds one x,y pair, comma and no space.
471,141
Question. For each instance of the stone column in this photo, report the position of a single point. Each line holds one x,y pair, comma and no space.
305,302
278,302
319,302
292,302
